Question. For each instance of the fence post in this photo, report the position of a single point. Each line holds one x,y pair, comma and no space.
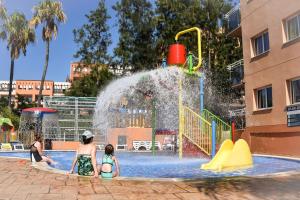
181,120
213,135
153,126
201,94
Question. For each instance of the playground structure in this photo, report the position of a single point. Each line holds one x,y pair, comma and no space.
231,157
43,121
205,130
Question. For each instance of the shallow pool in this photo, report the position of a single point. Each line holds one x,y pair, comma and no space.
135,164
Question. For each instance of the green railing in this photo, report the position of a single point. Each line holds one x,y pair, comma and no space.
223,129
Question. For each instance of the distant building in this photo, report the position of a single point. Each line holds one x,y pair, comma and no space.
78,70
4,87
30,89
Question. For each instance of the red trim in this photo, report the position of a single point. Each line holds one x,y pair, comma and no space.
40,109
165,132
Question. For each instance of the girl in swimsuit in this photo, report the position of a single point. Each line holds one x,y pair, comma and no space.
86,156
36,151
108,160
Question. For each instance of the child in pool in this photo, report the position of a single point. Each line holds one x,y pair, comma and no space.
108,160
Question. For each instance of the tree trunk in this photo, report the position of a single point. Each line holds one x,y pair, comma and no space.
11,78
44,73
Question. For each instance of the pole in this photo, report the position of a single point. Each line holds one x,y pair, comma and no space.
164,63
213,135
153,126
190,62
181,120
233,131
201,94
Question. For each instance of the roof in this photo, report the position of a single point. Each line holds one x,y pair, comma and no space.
39,109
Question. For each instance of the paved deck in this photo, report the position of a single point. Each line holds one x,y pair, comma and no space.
20,181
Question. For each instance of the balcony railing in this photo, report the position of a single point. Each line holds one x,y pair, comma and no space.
233,18
237,112
236,72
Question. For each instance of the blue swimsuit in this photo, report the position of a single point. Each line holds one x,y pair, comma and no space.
107,159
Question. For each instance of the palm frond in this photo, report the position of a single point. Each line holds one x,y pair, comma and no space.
49,14
18,33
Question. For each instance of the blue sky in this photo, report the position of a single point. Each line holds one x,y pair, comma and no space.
61,50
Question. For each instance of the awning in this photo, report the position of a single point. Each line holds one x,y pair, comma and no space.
5,121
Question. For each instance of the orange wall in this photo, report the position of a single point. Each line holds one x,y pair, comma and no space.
61,145
75,73
132,134
33,91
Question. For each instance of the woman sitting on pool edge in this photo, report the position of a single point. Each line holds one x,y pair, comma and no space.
86,156
36,151
108,161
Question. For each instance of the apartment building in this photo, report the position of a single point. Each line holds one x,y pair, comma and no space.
270,33
78,70
30,89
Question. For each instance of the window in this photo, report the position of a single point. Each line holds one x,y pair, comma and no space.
264,98
261,44
295,91
293,120
292,28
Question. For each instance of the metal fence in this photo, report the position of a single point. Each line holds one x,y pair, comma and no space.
75,115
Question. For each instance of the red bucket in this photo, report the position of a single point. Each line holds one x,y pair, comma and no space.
177,54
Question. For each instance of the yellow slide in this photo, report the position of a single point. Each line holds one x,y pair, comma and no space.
231,157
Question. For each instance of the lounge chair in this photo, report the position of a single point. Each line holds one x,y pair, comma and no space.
6,147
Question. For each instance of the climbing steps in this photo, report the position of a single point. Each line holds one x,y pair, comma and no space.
198,129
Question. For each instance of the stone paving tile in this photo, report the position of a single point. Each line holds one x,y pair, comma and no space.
34,189
96,197
44,197
167,188
99,189
86,190
193,196
17,196
145,196
127,189
63,190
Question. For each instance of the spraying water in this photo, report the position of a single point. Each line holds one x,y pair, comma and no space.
140,91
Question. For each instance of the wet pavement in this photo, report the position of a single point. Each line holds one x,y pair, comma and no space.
19,180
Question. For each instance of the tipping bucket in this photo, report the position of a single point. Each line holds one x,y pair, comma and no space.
177,54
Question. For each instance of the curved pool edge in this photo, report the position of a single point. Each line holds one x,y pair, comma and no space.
45,167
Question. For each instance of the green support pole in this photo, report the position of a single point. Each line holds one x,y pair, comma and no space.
153,126
190,62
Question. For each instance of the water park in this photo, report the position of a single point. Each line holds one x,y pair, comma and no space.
160,133
168,101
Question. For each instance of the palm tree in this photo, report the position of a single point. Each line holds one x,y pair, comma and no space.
3,17
19,35
49,14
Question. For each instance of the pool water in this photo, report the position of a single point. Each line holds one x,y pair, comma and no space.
135,164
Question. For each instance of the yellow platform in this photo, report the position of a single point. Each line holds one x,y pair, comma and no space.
231,157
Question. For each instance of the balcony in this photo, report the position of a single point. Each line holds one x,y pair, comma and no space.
236,73
233,18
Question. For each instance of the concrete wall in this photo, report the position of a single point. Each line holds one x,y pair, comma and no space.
61,145
132,134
